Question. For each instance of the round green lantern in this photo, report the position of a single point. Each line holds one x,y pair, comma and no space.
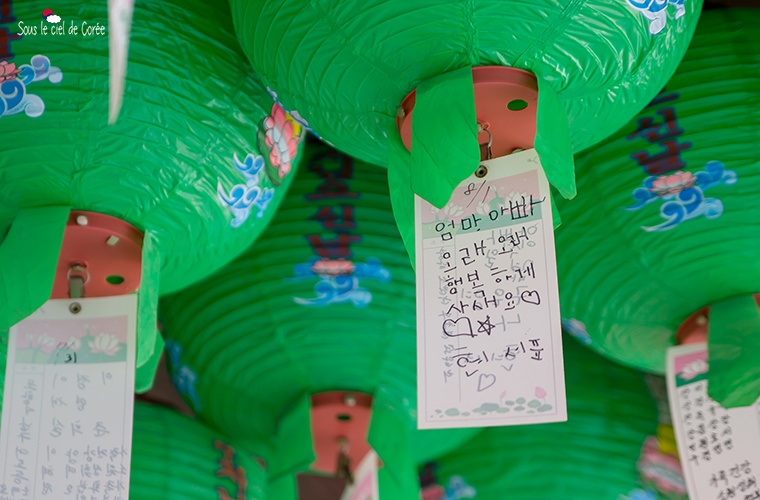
591,456
189,175
349,68
665,237
176,457
323,304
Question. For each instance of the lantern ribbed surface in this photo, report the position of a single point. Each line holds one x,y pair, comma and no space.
168,164
324,301
177,458
346,65
668,216
591,456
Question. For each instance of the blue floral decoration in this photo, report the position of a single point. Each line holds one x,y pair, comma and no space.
576,329
640,494
655,11
340,288
687,201
458,489
242,198
183,376
15,99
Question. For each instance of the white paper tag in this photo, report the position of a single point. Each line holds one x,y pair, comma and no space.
119,27
366,486
66,428
489,347
719,448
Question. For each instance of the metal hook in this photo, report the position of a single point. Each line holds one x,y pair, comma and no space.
77,276
484,128
344,462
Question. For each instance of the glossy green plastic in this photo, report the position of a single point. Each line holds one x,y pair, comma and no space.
199,158
324,301
667,220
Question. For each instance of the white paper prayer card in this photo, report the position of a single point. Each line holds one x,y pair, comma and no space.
66,429
366,485
719,448
489,346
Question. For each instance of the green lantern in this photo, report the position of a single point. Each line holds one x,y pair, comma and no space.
177,458
591,456
668,219
347,66
324,302
192,170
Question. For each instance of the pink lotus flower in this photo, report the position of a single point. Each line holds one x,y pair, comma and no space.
673,183
333,267
8,71
696,367
662,469
280,140
540,392
433,492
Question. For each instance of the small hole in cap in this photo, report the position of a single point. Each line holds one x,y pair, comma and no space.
517,105
115,279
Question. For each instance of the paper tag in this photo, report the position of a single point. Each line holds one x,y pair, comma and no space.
69,394
120,25
366,486
489,347
719,448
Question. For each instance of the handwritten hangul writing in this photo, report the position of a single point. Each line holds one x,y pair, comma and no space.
73,440
662,129
64,353
513,350
470,223
461,307
707,424
483,256
718,447
445,261
30,390
82,381
522,209
736,481
445,235
473,279
526,271
536,349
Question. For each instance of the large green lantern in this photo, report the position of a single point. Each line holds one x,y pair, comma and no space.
346,67
591,456
666,231
325,302
189,175
177,458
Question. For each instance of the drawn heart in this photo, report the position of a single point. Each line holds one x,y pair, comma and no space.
451,329
531,297
485,381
